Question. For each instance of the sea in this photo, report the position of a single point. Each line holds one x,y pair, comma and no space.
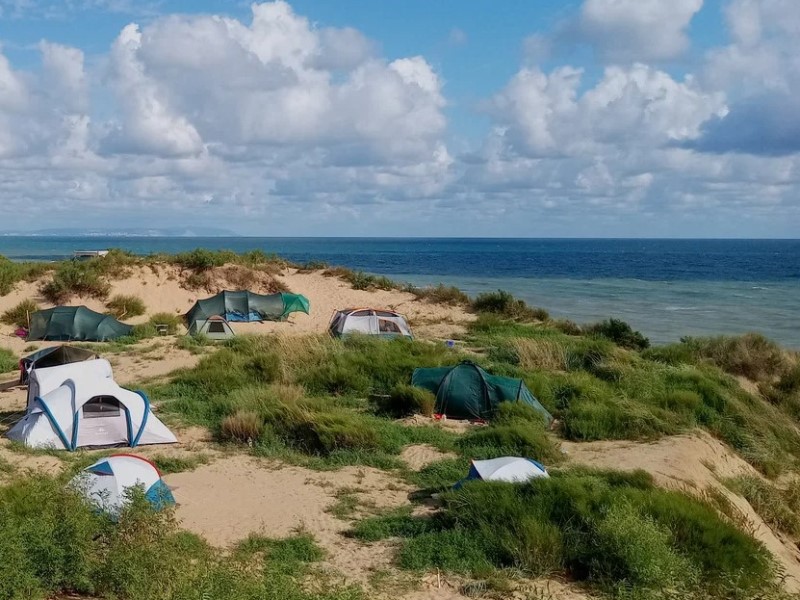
667,289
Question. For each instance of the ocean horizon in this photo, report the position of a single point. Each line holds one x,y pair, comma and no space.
667,288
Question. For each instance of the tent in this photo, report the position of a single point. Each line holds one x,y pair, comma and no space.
65,323
247,306
507,468
370,321
466,391
44,380
215,328
51,357
88,410
105,484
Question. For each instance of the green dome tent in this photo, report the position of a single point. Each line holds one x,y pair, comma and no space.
466,391
246,306
75,323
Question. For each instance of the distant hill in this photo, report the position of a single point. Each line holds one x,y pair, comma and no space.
130,232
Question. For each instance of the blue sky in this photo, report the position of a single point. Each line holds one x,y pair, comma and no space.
618,118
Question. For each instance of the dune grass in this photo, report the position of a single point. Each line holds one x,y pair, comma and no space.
53,544
504,304
20,314
8,361
124,306
12,273
617,532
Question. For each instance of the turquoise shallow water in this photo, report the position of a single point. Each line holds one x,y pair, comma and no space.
665,288
664,310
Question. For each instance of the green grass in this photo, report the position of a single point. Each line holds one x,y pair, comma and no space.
12,273
125,307
20,314
53,544
8,361
780,508
76,278
617,532
504,304
178,464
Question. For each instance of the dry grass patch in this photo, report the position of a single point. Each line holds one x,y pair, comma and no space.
541,354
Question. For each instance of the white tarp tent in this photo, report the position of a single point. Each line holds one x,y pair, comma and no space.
106,483
43,381
507,468
369,321
89,410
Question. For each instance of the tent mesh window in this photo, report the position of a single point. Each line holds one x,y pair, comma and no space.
388,326
216,327
100,407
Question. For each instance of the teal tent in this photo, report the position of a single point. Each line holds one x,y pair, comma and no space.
466,391
246,306
75,323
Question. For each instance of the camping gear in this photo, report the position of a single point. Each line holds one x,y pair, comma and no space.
75,323
466,391
369,321
105,484
80,407
214,328
51,357
507,468
247,306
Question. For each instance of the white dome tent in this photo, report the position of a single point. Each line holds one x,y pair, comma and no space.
88,410
511,469
44,380
105,484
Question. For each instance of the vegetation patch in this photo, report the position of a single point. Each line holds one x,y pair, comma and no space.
53,544
616,531
505,304
8,361
778,507
122,306
20,314
76,278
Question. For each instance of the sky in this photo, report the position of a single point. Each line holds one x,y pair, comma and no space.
521,118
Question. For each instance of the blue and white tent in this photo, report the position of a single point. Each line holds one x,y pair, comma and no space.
507,468
106,483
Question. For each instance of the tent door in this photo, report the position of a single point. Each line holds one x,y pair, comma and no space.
102,422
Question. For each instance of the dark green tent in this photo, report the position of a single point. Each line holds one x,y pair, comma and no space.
247,306
466,391
78,323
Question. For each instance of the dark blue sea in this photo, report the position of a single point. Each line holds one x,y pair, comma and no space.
665,288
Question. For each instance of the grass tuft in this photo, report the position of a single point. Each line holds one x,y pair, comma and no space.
20,314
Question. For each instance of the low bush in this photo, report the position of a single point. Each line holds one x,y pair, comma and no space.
201,259
440,294
20,314
242,426
405,400
13,272
126,307
8,361
172,321
616,531
54,545
505,304
620,333
76,278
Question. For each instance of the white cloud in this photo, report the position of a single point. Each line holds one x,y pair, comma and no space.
628,30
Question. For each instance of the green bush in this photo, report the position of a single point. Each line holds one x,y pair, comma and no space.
620,333
8,361
201,259
75,278
20,314
125,307
616,531
405,400
13,272
505,304
440,294
172,321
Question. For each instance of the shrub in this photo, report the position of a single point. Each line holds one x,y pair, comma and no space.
440,294
243,426
505,304
614,530
75,278
20,314
405,400
8,361
13,272
620,333
511,437
172,321
122,306
201,259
